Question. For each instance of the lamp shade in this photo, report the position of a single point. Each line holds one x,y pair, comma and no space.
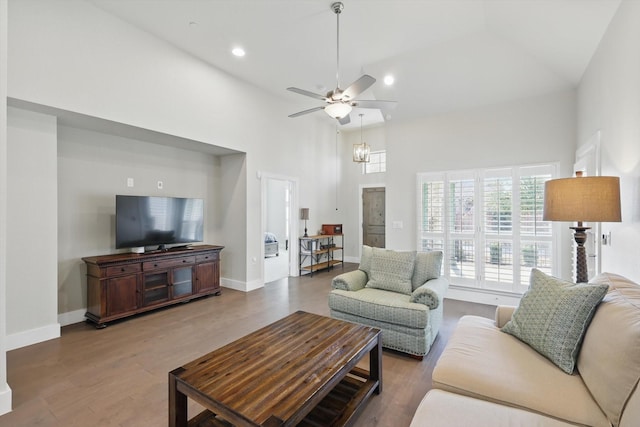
304,213
338,110
588,199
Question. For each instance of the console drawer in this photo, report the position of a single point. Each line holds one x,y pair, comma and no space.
168,263
207,257
122,270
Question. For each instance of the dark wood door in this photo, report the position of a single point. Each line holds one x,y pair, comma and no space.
122,294
373,217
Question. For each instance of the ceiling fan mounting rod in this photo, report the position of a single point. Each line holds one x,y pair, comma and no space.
337,8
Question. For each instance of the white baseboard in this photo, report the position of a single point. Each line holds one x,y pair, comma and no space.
353,259
241,286
32,336
482,297
5,398
71,317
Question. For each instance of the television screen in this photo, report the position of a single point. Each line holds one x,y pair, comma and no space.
150,221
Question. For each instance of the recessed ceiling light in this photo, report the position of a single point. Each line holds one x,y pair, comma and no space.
388,79
238,51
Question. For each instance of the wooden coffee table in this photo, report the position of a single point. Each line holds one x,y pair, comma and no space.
300,370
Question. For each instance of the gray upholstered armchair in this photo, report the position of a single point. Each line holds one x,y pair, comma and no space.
400,293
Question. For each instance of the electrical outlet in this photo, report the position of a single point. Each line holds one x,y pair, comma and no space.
129,182
160,185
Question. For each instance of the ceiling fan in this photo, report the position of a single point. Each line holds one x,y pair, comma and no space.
341,102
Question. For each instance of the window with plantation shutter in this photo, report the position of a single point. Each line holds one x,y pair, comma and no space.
488,223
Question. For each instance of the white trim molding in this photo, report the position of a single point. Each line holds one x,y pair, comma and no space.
71,317
241,286
33,336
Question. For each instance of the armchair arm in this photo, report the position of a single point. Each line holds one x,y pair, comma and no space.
503,314
351,281
431,293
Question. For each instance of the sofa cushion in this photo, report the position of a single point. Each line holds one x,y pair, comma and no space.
392,270
481,361
442,409
427,266
553,316
609,361
389,307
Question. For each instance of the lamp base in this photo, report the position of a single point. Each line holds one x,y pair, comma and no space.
580,236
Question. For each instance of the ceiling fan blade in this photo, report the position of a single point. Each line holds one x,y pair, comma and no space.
345,120
381,105
307,93
357,87
311,110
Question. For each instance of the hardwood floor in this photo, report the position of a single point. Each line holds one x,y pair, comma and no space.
118,376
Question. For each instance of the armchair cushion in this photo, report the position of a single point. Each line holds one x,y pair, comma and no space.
427,267
431,293
350,281
553,316
391,271
365,259
383,306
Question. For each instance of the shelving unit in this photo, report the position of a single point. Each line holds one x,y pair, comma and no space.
319,252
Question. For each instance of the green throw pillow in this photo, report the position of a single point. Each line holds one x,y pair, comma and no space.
553,317
391,270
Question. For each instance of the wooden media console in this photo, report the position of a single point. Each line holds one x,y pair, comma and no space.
121,285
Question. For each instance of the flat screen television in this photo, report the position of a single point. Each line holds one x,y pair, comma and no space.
158,221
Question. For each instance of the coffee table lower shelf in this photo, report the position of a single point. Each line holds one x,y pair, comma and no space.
337,408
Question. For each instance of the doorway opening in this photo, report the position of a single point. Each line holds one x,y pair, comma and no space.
279,195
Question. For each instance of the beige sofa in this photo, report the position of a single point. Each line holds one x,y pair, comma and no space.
486,377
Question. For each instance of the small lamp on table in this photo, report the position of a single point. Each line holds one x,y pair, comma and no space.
304,214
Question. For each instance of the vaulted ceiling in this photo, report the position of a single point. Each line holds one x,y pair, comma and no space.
444,54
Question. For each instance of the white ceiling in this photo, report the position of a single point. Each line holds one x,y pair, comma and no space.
444,54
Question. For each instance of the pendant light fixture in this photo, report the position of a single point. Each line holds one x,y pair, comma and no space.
361,151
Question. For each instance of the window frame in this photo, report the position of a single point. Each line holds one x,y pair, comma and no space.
514,236
382,163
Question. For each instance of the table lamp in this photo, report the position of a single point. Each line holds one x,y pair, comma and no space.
304,214
582,199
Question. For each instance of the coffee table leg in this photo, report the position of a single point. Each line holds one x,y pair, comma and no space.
177,403
375,364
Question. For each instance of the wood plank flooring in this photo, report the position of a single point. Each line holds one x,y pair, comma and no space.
118,376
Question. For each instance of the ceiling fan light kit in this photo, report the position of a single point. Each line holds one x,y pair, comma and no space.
341,102
338,110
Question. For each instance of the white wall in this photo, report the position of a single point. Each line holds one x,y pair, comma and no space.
5,391
351,198
102,67
528,131
92,168
32,219
609,101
